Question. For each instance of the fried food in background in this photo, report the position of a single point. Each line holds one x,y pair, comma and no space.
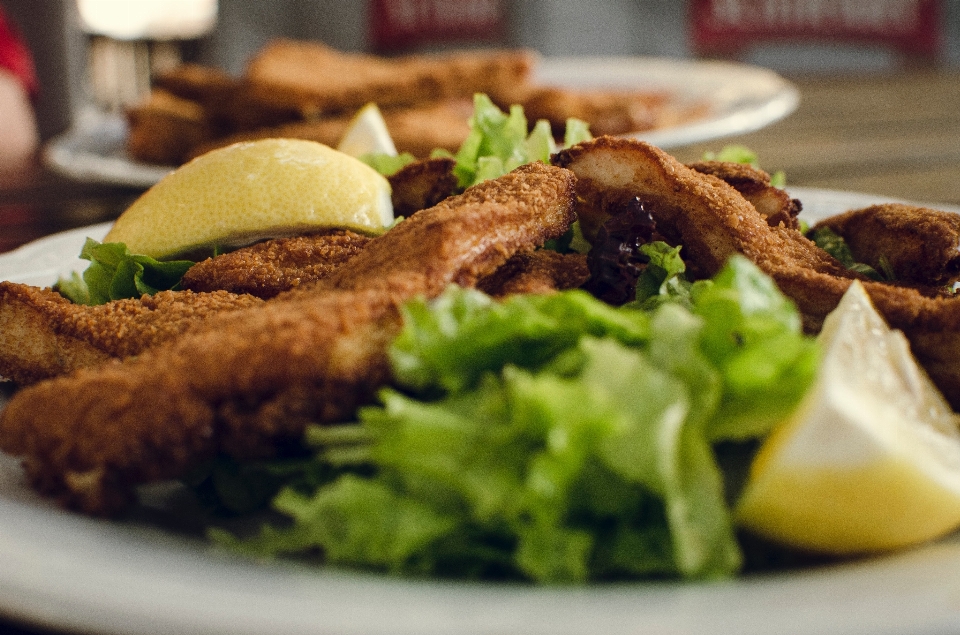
609,112
307,90
311,79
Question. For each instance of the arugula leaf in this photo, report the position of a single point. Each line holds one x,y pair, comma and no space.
114,273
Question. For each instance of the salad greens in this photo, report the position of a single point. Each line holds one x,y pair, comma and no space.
736,153
114,274
834,244
554,438
498,142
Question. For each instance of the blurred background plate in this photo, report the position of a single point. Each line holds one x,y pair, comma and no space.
736,98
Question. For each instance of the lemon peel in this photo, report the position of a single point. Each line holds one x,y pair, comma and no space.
253,190
870,461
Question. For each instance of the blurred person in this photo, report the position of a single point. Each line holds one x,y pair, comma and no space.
18,90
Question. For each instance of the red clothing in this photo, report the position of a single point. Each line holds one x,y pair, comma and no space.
15,56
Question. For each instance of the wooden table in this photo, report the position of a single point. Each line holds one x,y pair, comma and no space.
893,135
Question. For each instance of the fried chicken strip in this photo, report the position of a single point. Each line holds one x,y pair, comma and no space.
422,184
42,334
706,215
921,245
311,79
248,381
542,271
713,221
754,185
270,267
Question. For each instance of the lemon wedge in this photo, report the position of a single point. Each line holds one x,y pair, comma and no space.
253,190
367,133
871,459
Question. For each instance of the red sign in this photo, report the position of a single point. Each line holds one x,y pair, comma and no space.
729,26
397,25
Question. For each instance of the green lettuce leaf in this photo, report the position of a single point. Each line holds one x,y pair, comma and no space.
558,439
752,334
114,273
736,153
499,142
387,164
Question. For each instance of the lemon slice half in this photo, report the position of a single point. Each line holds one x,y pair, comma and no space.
253,190
871,459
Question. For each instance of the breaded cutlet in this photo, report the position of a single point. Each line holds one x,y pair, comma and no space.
250,381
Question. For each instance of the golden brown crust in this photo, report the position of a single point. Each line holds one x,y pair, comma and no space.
542,271
273,266
250,380
754,185
42,334
467,236
422,184
921,245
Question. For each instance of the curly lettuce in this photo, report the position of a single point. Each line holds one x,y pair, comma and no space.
555,438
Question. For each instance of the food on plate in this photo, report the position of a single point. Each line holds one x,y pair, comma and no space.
307,90
43,334
447,398
869,461
250,191
309,78
270,267
554,438
918,246
250,381
712,222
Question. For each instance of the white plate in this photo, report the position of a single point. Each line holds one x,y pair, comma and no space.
75,573
740,99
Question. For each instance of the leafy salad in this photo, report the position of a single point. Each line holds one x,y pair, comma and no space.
546,438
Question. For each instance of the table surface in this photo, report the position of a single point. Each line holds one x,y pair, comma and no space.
894,135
